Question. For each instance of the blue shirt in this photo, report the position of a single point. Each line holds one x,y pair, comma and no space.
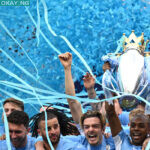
83,141
109,141
2,130
124,118
126,129
66,144
122,142
29,146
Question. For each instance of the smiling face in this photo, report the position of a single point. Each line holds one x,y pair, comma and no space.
18,135
138,130
9,108
93,130
53,131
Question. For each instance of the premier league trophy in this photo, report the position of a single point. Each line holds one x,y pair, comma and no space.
129,76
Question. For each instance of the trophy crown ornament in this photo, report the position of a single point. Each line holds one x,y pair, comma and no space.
134,42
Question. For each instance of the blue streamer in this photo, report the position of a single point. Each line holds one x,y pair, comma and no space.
38,24
25,71
8,32
64,95
46,18
6,129
52,96
16,97
46,39
148,146
48,42
65,39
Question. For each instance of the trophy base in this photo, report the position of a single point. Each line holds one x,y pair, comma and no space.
128,103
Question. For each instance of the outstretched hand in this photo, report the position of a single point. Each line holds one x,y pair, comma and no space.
89,81
66,59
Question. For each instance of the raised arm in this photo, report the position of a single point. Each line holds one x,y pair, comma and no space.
75,106
113,119
89,83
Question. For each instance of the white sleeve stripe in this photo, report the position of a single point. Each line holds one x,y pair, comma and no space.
118,142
